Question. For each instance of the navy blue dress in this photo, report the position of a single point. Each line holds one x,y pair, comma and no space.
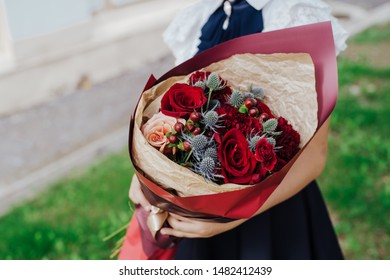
300,227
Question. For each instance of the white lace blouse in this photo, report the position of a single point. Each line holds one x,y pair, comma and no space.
183,34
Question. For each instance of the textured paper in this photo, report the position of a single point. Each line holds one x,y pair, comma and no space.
289,84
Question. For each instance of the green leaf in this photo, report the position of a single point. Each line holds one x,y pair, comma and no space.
243,110
180,146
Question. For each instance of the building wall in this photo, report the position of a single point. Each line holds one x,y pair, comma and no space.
6,51
108,44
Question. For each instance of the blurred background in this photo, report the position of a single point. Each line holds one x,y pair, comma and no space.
70,74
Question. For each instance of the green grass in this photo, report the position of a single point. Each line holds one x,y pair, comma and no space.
356,181
374,35
69,220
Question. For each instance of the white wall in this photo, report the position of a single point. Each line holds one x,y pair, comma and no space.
29,18
6,50
111,43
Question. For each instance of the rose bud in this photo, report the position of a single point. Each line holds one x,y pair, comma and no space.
178,127
172,139
253,112
197,131
195,116
264,117
250,103
186,145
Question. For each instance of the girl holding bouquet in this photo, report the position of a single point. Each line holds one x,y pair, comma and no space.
294,222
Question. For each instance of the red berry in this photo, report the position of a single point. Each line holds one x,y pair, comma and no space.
186,145
197,131
178,127
172,139
167,150
253,112
264,117
190,127
195,116
250,103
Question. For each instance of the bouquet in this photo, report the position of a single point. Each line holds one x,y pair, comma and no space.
224,135
215,136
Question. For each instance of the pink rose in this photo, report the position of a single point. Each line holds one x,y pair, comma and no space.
157,127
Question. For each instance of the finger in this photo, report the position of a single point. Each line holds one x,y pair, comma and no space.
182,226
181,218
136,195
178,233
190,220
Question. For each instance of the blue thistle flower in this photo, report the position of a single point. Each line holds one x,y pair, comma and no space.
212,120
252,141
248,95
258,93
212,153
214,82
236,99
207,168
200,84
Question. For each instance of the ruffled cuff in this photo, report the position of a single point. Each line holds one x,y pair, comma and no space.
282,14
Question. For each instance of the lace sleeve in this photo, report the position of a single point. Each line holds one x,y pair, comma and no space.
281,14
183,33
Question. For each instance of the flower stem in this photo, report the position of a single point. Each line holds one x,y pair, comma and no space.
208,99
188,156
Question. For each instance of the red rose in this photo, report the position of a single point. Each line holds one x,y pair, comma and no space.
264,153
289,140
198,76
181,100
237,161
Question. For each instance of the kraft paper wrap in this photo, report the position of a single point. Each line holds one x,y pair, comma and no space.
289,84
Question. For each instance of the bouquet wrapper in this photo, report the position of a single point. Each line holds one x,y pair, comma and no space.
314,39
141,245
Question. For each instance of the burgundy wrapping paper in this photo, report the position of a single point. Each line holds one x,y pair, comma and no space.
314,39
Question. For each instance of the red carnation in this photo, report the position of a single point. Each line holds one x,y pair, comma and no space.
289,140
234,119
199,76
237,161
222,95
264,153
181,99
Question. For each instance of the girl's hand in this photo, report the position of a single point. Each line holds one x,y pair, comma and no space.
136,195
193,228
